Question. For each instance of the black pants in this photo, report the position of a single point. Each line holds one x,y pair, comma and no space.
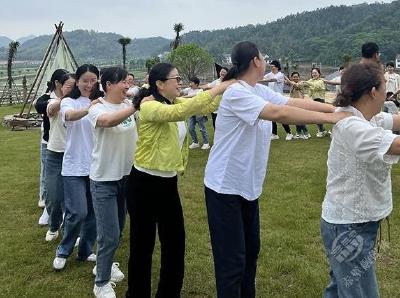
235,238
153,202
214,117
275,128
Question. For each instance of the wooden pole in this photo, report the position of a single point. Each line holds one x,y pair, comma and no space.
40,69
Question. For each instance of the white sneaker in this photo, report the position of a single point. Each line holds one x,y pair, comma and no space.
50,236
105,291
297,136
274,137
319,134
205,146
194,146
116,273
77,242
59,263
91,258
289,137
308,135
41,203
44,218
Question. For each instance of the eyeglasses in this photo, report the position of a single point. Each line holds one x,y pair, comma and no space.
177,78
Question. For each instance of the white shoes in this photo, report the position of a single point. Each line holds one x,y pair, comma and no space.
194,146
51,236
106,291
274,137
116,273
44,218
59,263
41,203
321,134
91,258
289,137
205,146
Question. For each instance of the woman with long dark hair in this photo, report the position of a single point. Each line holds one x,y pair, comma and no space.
79,216
153,200
237,164
54,158
53,91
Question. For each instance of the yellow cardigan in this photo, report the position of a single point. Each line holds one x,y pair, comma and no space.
158,141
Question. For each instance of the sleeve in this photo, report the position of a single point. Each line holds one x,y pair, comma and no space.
185,91
212,84
273,97
67,104
94,112
41,104
280,78
244,104
368,143
384,120
155,111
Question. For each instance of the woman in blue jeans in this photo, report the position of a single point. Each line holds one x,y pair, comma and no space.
358,192
114,146
54,157
79,217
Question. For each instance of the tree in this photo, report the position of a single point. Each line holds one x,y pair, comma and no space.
178,39
12,51
124,41
191,60
151,62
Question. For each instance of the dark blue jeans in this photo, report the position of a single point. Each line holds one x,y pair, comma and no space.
350,252
55,189
235,239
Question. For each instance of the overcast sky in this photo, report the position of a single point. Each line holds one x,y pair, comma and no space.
146,18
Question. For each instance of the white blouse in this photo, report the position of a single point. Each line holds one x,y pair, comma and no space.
359,183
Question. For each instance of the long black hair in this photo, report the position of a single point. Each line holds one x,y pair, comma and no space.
158,72
56,76
242,54
96,93
358,80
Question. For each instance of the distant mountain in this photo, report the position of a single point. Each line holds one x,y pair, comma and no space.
4,41
91,45
25,38
323,35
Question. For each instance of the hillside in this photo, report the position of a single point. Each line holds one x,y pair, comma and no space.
323,35
87,45
4,41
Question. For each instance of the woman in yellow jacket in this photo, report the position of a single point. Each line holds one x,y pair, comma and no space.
316,90
153,198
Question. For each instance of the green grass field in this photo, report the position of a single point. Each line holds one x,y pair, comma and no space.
291,262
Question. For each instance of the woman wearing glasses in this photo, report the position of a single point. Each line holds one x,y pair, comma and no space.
153,198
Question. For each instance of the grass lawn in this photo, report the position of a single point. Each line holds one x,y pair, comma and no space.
291,262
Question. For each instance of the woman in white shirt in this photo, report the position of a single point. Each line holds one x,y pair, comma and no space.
237,164
79,217
358,192
54,158
114,146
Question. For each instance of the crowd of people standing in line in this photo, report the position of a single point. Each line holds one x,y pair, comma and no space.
105,156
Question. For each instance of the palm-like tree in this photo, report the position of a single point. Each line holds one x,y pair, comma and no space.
178,39
12,51
124,41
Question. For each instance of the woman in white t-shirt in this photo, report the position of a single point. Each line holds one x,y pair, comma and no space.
237,164
54,158
79,219
114,146
358,191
